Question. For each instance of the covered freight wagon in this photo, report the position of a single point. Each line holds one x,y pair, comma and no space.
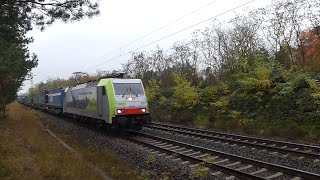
29,101
35,100
43,100
40,100
22,99
55,100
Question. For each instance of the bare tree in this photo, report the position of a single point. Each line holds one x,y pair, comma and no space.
138,65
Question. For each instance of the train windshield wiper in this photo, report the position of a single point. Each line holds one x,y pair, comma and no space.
125,92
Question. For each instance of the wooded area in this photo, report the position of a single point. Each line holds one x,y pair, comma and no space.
257,73
17,17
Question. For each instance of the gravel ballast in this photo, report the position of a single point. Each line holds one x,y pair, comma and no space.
139,158
277,158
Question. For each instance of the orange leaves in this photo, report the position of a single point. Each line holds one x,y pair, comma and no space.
309,51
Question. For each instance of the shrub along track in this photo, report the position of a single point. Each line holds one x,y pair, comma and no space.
233,165
296,149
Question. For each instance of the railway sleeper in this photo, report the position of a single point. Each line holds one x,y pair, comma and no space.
178,150
160,144
259,171
278,174
186,152
230,177
244,167
173,147
154,152
202,155
194,153
185,162
162,154
233,164
222,161
296,178
216,173
176,159
192,166
165,146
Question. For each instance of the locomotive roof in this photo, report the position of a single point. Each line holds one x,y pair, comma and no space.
86,85
116,80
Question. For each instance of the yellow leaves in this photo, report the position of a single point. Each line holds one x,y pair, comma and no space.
251,84
214,92
185,95
313,84
235,114
316,95
262,73
152,89
244,122
200,171
221,105
201,121
162,100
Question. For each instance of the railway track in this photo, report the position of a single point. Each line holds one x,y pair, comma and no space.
219,162
301,150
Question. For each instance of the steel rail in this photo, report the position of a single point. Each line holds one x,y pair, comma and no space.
245,143
262,140
210,165
274,167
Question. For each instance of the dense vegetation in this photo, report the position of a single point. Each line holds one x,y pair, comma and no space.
17,17
257,73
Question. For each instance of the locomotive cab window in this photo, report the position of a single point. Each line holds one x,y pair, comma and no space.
103,91
128,89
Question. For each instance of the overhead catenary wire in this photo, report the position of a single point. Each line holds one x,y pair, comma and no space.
170,23
177,32
156,30
165,37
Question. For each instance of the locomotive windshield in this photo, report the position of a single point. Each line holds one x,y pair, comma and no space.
128,88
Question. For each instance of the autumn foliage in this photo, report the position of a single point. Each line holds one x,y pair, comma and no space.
308,53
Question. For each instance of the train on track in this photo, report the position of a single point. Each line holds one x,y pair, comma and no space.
111,102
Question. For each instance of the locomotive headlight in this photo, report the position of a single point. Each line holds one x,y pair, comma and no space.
119,111
130,98
143,110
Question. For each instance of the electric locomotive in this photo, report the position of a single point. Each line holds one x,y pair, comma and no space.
112,102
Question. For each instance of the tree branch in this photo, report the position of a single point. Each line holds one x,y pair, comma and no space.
48,4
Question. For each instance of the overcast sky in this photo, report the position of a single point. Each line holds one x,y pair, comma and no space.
87,45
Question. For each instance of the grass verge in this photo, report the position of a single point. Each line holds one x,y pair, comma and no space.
31,153
105,159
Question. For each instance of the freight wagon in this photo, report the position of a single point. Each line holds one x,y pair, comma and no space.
55,100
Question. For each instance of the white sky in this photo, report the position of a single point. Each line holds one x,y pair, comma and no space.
65,48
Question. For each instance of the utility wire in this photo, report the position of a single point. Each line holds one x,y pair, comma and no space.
173,22
165,37
156,30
